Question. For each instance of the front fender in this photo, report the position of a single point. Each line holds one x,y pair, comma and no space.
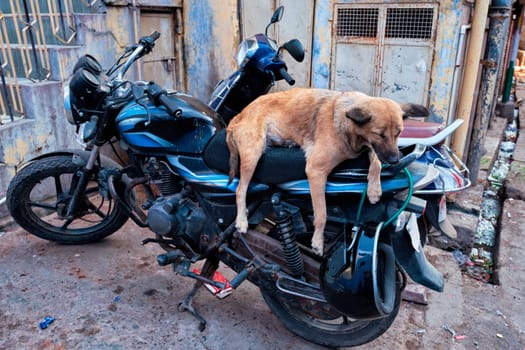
105,161
415,263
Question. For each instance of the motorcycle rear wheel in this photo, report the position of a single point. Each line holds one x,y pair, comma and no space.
327,328
38,197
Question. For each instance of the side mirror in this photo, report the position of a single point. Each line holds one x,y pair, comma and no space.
295,49
277,15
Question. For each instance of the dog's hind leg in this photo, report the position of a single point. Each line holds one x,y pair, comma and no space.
249,157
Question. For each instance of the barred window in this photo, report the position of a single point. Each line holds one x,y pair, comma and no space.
409,23
357,22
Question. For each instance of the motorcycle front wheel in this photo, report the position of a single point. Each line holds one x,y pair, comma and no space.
40,193
319,323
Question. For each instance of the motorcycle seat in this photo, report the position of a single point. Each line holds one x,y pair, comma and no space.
418,129
277,164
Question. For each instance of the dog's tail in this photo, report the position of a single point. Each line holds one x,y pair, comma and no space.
234,155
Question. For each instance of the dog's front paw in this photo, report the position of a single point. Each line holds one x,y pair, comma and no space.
374,194
241,224
317,246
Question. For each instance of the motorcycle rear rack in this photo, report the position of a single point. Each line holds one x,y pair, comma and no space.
462,172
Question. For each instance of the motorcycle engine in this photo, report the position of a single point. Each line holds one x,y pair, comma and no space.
178,216
160,175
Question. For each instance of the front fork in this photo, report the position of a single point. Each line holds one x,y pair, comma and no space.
83,178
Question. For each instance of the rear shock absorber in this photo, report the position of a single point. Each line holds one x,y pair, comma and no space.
292,254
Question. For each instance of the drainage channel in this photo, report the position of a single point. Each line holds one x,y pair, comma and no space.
483,256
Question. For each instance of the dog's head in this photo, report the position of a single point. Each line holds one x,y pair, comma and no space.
379,122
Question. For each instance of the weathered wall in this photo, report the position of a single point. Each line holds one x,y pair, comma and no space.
211,37
452,14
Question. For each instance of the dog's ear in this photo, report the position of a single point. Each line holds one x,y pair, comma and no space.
414,110
359,115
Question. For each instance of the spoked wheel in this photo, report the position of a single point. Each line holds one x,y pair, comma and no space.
39,195
320,323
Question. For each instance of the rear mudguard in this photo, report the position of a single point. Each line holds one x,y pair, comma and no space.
415,263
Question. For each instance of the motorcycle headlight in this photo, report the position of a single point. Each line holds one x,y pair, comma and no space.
84,94
67,107
88,62
246,51
84,90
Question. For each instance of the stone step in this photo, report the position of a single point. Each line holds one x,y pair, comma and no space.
45,121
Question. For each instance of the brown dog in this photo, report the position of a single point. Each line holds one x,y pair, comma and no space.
329,126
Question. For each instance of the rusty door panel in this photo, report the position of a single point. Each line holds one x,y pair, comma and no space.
161,64
384,49
355,67
406,72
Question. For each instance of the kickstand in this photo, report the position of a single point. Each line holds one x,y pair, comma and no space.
210,266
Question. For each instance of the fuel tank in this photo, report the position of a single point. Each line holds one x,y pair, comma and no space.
151,130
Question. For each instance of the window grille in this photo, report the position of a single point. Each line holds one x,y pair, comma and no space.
357,22
409,23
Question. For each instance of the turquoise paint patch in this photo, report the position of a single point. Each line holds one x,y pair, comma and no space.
440,90
321,45
200,21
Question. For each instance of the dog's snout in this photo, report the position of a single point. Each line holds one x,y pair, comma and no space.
393,159
389,157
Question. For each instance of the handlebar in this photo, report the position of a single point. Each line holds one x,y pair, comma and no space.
159,97
143,47
148,42
155,35
284,73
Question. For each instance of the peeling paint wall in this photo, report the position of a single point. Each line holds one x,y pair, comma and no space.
211,37
451,17
47,130
322,44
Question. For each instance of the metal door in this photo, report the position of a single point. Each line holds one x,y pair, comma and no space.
161,65
384,49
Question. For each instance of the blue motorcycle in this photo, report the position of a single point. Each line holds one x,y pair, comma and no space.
170,174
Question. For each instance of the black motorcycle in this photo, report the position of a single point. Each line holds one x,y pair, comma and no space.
175,182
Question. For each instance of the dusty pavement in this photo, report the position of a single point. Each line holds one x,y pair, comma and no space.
113,295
